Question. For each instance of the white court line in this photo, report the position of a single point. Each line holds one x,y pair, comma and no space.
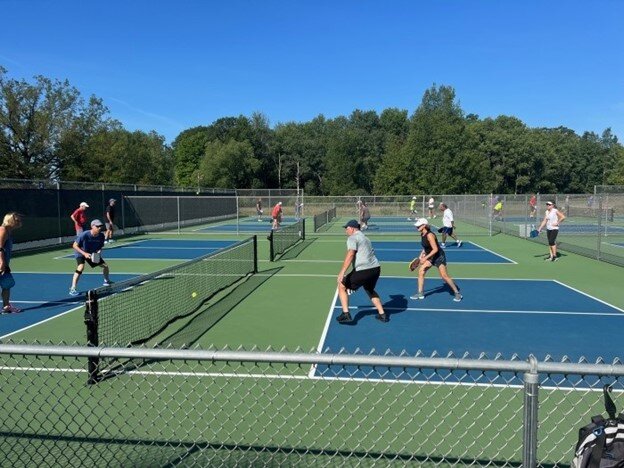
494,253
494,311
446,249
295,260
230,375
587,295
48,302
42,321
319,348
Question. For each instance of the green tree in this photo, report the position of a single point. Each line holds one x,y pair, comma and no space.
189,148
34,120
228,165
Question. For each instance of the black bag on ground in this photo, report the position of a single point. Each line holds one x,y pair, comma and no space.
601,443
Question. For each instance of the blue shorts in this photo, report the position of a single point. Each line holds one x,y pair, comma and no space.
447,230
7,281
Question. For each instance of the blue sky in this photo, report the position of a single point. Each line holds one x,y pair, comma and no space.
171,65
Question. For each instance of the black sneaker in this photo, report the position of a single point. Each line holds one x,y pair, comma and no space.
345,317
382,317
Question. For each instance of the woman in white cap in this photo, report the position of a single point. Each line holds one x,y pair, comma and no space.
431,255
276,215
79,217
10,222
552,220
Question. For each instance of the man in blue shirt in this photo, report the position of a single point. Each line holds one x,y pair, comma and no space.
88,247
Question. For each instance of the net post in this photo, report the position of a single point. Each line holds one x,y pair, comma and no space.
91,321
302,228
271,248
255,242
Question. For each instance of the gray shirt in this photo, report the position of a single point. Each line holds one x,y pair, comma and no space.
364,254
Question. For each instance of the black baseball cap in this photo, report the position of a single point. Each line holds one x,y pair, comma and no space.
353,224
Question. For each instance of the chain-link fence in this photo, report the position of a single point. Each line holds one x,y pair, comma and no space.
594,224
236,408
47,207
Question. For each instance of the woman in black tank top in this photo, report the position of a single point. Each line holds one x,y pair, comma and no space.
432,255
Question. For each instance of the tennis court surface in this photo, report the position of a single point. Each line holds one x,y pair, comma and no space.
213,288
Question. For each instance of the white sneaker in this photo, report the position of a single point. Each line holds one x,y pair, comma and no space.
110,241
417,296
443,245
458,297
73,292
459,243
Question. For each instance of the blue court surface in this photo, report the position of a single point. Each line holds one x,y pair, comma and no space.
42,296
510,317
162,249
247,225
469,252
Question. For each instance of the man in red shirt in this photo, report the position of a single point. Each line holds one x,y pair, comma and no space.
533,206
276,214
79,217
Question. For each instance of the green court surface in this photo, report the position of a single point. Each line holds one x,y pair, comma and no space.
285,306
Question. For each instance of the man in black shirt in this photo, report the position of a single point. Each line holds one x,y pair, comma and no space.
110,221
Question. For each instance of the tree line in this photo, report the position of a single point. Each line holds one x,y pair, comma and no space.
48,130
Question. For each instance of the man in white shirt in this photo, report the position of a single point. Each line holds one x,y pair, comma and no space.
448,225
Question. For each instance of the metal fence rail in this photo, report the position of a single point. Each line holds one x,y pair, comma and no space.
236,408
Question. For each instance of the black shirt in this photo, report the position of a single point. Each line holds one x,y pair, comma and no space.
110,210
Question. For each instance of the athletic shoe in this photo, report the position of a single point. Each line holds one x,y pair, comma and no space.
548,259
382,317
443,245
11,309
458,297
417,296
110,241
107,283
459,243
345,317
73,292
554,259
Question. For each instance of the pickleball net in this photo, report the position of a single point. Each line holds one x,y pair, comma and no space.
324,218
135,311
286,237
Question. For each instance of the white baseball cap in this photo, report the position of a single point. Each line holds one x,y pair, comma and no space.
421,222
84,204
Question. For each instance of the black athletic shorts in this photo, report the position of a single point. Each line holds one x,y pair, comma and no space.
363,278
83,260
551,234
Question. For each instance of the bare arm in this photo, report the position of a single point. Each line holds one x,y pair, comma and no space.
345,265
3,239
77,248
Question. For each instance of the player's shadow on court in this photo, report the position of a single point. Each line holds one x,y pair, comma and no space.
294,251
397,304
442,289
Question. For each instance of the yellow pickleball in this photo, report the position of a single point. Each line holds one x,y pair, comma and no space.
194,294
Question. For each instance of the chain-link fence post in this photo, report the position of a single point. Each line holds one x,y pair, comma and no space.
531,402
